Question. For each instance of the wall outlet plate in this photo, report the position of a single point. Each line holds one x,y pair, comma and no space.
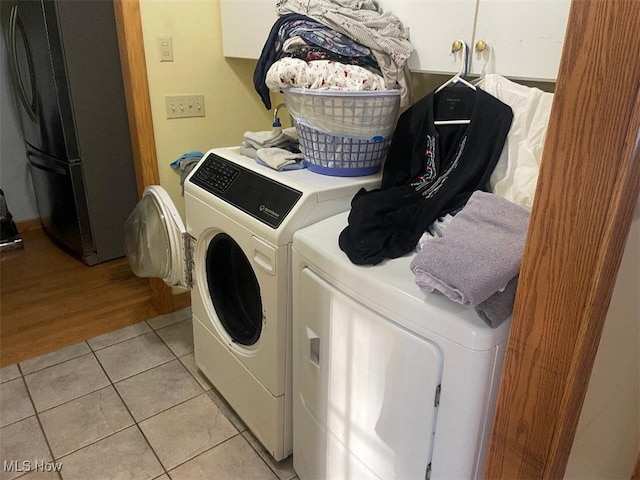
184,106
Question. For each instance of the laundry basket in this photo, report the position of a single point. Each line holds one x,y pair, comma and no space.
343,133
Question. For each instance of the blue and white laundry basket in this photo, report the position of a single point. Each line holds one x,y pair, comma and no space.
344,133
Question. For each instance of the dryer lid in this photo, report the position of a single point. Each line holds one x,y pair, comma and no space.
156,240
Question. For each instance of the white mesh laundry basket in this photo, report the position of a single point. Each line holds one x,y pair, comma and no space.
344,133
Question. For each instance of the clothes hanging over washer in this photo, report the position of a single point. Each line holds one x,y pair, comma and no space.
430,171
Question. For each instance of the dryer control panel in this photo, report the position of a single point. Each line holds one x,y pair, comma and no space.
258,196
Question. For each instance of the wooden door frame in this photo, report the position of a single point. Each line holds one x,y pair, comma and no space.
585,199
565,285
136,85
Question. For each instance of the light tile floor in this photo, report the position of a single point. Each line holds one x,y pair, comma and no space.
130,404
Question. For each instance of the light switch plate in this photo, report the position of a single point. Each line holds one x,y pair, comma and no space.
165,49
184,106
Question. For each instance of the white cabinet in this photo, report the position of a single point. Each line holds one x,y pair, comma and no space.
245,26
526,35
433,25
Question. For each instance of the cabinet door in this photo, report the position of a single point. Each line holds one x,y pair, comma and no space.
526,37
245,26
433,25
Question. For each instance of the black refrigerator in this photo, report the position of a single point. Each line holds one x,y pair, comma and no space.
65,67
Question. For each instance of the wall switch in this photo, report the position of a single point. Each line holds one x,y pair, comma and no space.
184,106
165,49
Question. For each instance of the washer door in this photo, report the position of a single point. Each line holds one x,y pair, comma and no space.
234,290
155,239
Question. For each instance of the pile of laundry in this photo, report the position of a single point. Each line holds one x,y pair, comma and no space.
346,45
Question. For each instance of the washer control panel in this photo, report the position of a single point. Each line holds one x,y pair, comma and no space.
215,175
258,196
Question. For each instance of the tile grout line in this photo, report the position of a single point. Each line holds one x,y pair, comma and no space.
112,384
202,453
206,393
135,422
37,415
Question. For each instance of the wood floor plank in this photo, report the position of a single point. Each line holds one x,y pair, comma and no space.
49,299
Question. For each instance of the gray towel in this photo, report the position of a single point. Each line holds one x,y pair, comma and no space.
479,253
499,306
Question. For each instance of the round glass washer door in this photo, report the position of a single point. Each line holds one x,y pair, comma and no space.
234,290
154,238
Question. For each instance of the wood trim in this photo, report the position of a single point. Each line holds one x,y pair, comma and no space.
29,225
136,85
586,194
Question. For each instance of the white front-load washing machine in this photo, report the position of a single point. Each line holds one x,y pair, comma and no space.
389,381
235,255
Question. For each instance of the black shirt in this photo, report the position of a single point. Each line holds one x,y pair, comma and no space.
429,171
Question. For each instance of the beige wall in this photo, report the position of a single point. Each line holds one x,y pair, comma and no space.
231,104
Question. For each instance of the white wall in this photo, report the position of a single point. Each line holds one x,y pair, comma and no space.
15,179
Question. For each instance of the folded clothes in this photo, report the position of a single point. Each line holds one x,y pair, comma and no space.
279,159
479,253
247,150
277,137
277,149
273,138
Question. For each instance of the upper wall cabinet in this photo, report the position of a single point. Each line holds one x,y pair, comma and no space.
525,36
245,26
432,26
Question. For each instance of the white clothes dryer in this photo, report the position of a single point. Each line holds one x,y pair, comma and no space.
389,381
235,255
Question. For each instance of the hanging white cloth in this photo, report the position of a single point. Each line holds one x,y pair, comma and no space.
516,173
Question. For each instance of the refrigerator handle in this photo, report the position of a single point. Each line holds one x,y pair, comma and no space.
40,162
15,25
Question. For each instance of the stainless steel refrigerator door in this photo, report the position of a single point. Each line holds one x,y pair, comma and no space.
37,67
62,203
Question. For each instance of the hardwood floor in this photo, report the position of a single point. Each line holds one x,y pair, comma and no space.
49,299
